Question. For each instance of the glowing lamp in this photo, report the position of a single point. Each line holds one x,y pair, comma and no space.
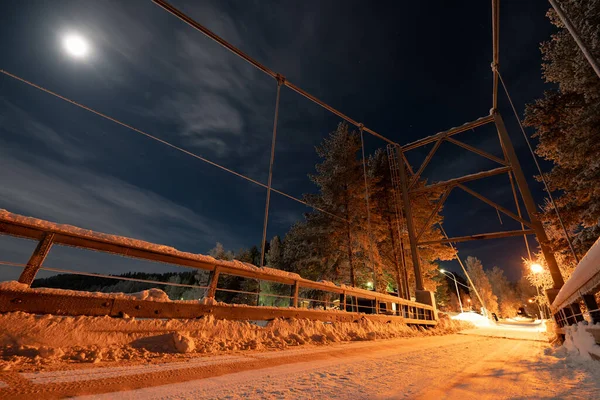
536,268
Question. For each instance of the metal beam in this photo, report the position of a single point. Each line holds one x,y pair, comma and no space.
480,236
528,201
426,162
36,259
437,207
496,206
414,251
462,179
465,127
477,151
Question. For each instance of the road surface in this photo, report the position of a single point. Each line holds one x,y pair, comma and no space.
462,366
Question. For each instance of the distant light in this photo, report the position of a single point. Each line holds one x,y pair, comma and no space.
370,285
536,268
442,271
530,300
468,300
76,46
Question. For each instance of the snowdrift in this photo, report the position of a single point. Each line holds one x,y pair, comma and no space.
474,318
45,339
579,341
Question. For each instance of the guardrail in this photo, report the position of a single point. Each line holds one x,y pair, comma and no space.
352,302
581,288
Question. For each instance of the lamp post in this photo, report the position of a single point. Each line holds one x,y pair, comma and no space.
443,271
538,269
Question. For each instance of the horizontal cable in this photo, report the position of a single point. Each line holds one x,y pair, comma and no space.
189,153
253,293
120,278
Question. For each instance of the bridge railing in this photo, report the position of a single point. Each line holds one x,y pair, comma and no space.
348,302
582,287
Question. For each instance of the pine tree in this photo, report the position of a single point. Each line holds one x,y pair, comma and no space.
338,249
483,286
508,301
567,124
219,253
274,257
442,292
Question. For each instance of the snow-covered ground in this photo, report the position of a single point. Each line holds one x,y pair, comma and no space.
108,358
433,367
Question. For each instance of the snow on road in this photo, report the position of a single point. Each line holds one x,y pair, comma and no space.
460,367
455,366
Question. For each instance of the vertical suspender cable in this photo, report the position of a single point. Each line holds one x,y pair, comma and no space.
364,163
495,49
567,236
514,191
280,80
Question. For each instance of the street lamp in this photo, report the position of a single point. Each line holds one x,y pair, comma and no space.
443,271
538,269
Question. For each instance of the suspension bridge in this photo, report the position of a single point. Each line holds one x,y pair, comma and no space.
337,303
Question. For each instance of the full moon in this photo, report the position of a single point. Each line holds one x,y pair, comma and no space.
75,45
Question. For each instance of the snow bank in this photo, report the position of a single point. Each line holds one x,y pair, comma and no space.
584,278
38,340
474,318
579,342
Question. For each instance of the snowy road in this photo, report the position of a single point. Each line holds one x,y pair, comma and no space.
456,366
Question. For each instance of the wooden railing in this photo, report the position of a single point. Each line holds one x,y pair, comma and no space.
581,287
351,302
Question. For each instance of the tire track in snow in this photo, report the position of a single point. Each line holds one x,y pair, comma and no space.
87,374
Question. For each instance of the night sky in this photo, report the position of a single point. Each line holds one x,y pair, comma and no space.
405,69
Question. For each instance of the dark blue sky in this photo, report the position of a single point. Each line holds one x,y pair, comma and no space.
405,69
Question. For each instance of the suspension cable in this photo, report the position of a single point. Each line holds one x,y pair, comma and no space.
568,237
207,32
189,153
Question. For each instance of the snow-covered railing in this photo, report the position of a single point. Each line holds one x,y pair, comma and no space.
582,285
349,298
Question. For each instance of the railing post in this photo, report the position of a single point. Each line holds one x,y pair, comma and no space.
37,258
577,312
296,290
569,315
591,304
213,280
